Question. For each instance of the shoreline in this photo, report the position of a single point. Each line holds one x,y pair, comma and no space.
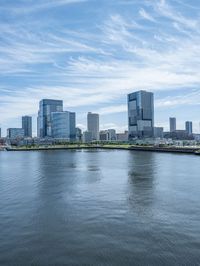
171,149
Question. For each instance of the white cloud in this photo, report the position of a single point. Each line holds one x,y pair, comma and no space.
144,14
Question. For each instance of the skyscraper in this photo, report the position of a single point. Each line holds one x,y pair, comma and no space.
172,124
93,125
140,114
188,127
63,125
27,126
46,107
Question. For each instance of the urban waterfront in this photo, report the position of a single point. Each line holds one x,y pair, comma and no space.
99,207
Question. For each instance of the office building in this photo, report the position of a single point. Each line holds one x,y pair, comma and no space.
107,135
140,114
15,133
93,125
46,107
78,134
172,124
188,127
87,137
104,135
112,134
27,126
63,125
72,117
158,132
122,136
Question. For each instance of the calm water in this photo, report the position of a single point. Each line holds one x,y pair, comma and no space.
99,208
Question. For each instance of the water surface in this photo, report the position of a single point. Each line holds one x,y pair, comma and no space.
99,208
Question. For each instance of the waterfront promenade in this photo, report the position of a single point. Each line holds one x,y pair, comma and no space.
171,149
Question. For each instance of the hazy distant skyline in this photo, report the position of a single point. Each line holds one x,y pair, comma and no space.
92,53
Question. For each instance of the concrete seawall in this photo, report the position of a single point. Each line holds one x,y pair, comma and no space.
184,150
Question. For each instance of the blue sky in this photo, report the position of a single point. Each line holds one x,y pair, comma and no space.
91,53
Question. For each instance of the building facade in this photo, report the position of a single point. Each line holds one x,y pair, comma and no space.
63,125
78,134
46,107
188,127
122,136
15,133
158,132
172,124
93,125
140,114
27,126
87,137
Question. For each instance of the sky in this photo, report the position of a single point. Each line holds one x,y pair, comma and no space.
92,53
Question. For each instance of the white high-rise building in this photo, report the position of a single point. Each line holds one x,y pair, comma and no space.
93,125
172,124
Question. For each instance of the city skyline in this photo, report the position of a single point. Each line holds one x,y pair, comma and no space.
94,57
53,121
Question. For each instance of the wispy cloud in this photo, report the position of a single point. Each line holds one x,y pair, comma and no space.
97,57
144,14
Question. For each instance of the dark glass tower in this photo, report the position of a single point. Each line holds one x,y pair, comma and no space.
140,114
27,126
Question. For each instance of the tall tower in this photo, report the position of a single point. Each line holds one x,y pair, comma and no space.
140,114
63,125
27,126
172,124
93,125
188,127
46,107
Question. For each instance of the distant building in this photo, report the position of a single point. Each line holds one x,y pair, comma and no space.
72,126
122,136
46,107
178,135
158,132
140,114
27,126
78,134
87,137
172,124
15,133
112,134
104,135
107,135
188,127
93,125
63,125
0,132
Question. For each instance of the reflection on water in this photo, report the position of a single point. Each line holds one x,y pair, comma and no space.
141,182
99,207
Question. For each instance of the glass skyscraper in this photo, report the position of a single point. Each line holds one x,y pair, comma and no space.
27,126
46,107
188,127
140,114
63,125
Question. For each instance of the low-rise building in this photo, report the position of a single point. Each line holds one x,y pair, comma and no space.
87,137
15,133
122,136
